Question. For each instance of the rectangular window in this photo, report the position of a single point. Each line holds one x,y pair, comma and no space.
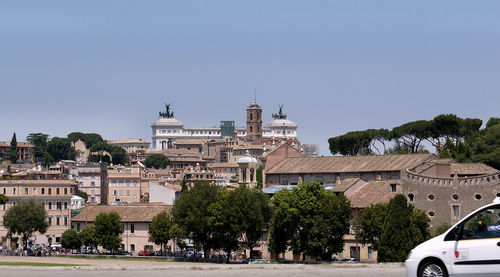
132,228
34,191
58,220
50,191
57,191
14,191
78,227
65,221
50,205
132,247
354,252
4,190
58,206
456,211
65,206
65,190
43,191
393,187
50,220
26,191
370,252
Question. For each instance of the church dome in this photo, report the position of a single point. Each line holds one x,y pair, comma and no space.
168,122
280,123
247,159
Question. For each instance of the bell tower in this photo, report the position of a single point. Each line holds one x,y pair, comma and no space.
254,123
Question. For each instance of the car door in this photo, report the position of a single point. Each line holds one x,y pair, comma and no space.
477,250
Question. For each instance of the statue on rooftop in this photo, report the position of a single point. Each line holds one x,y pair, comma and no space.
167,113
280,114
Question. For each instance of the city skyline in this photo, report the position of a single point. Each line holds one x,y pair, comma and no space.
336,66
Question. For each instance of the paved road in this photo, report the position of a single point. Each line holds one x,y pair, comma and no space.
192,271
135,268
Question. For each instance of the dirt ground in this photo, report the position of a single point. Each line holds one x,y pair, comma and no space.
146,268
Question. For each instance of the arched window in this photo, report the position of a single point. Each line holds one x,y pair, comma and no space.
163,145
251,174
251,129
251,116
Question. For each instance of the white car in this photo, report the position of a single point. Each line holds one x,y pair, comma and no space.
470,248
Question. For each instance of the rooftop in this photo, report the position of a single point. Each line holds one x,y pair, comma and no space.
130,213
340,164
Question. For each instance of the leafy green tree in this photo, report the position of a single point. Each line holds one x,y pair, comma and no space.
61,149
158,161
159,229
108,229
369,225
75,136
3,199
40,141
119,155
88,236
487,147
259,177
492,122
310,220
178,234
191,213
441,229
226,220
404,228
83,195
13,149
351,144
26,218
91,138
70,239
410,135
381,136
258,215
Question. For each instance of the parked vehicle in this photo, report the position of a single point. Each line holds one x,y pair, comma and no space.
350,260
146,253
469,248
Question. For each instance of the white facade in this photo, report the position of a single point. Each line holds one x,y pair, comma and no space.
167,130
159,193
77,202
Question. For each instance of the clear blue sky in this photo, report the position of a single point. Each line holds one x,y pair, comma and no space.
108,66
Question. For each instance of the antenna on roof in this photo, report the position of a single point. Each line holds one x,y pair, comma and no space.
254,96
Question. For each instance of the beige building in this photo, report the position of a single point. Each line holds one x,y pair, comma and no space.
54,194
92,179
124,185
135,220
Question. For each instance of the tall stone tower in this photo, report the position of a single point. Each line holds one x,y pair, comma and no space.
254,123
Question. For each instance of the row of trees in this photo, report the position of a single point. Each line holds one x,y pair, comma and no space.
452,136
48,150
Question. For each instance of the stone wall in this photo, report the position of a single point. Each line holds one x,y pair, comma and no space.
447,200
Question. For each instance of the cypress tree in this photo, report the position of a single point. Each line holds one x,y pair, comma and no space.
13,149
396,241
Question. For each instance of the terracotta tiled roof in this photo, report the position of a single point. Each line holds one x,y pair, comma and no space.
19,144
39,182
345,184
129,140
216,165
189,141
337,164
132,213
373,192
471,169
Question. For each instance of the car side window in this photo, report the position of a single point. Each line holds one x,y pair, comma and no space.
482,225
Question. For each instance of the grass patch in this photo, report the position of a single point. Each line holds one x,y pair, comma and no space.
36,264
103,257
